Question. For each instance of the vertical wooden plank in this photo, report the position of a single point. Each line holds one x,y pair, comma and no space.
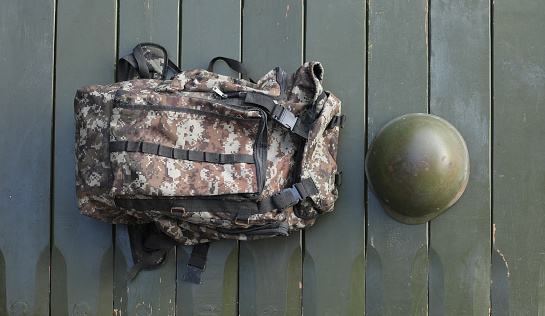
334,260
82,256
149,21
270,270
26,42
397,84
210,28
152,291
518,151
460,93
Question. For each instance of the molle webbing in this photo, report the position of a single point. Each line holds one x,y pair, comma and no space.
182,154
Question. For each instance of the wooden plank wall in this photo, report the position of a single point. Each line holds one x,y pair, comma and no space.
478,64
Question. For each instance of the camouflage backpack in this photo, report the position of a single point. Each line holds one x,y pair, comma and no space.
204,156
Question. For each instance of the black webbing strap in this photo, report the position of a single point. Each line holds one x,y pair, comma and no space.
175,206
284,116
174,67
149,248
291,196
338,178
233,64
337,121
177,153
197,263
145,263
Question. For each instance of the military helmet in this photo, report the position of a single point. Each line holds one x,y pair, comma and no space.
417,166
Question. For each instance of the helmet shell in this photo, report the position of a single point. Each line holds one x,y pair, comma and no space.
417,166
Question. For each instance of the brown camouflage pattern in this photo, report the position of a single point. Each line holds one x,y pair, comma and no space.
137,111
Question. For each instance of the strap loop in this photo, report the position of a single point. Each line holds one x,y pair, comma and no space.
337,121
178,153
233,64
293,195
278,112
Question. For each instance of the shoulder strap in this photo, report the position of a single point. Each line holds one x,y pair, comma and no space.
147,61
149,248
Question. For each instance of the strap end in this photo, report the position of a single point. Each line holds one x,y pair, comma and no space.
193,274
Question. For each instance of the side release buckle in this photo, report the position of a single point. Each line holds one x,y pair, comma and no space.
286,118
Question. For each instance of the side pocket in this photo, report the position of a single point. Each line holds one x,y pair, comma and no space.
92,108
319,161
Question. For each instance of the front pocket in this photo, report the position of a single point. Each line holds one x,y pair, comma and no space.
184,151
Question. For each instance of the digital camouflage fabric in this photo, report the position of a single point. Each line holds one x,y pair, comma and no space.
206,156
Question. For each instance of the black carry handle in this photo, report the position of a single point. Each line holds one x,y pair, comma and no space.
233,64
139,65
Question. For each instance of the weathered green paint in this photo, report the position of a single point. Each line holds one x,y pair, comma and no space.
337,287
460,93
210,28
485,65
74,250
152,292
271,269
397,84
145,21
149,21
25,138
518,157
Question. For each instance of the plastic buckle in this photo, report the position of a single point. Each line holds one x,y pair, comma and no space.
286,118
293,191
193,274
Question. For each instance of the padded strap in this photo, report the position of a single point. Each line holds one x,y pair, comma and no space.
233,64
182,154
138,64
143,70
149,248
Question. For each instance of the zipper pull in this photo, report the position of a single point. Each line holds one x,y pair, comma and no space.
217,90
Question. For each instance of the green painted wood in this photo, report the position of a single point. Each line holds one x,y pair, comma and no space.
26,43
518,149
397,84
460,93
80,243
149,21
270,271
210,28
152,291
334,260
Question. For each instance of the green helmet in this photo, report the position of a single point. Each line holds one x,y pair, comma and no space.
417,166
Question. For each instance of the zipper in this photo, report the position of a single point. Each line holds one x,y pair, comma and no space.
184,110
